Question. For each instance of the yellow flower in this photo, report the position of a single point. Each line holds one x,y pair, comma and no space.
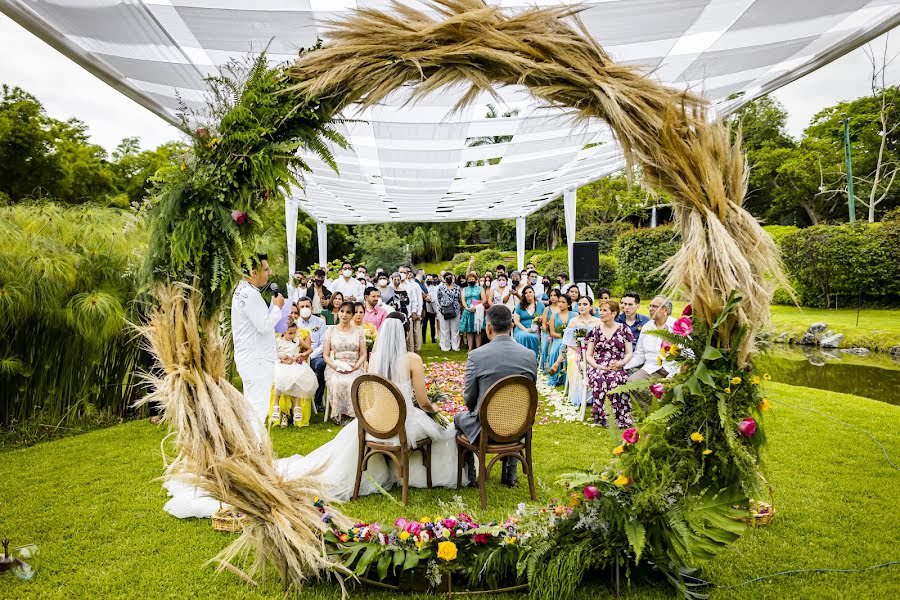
728,390
574,500
447,551
659,360
662,351
755,380
764,404
675,350
183,166
445,533
697,437
707,452
767,377
622,480
619,450
511,540
424,520
735,380
404,535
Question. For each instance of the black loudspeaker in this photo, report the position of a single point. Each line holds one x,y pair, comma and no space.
586,261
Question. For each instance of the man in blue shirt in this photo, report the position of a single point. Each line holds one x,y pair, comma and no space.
629,316
316,327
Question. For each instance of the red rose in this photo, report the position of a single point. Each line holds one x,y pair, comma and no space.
683,327
747,427
590,492
238,216
688,311
657,390
631,435
482,538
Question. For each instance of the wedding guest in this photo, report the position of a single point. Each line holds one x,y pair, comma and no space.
604,293
574,338
293,375
555,354
318,293
527,321
608,351
500,270
431,308
292,316
583,289
384,287
501,293
631,303
573,294
351,289
546,285
646,348
330,313
359,313
399,298
535,283
416,302
561,279
547,319
485,366
473,296
296,286
449,298
345,357
253,334
316,326
374,312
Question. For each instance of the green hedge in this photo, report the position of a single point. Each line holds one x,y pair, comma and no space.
604,233
640,253
840,265
552,262
778,232
485,260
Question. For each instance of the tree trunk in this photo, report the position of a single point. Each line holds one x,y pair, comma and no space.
810,212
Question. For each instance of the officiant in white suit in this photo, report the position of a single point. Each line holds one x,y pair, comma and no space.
253,333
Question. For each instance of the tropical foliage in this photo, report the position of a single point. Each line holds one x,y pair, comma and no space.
640,255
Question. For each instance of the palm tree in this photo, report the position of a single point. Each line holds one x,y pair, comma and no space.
486,140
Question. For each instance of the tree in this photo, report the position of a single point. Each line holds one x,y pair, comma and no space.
133,168
612,199
26,146
86,174
492,113
381,246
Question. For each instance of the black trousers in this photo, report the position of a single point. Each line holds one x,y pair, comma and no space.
429,320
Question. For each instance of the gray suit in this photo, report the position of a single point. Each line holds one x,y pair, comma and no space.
484,367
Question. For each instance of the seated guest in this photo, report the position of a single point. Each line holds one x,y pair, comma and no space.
293,375
631,303
646,349
608,351
583,290
547,318
604,293
527,319
334,305
316,327
555,356
535,283
486,365
374,313
359,313
344,351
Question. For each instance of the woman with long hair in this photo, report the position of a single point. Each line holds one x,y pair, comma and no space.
527,321
547,317
472,298
344,352
330,313
555,354
575,339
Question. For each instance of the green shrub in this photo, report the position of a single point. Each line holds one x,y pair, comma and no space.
604,233
639,255
381,246
552,262
609,269
778,232
840,265
485,260
471,248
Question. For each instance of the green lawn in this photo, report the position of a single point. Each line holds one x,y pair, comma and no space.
92,504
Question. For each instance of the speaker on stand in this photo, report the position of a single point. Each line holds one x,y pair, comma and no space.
586,261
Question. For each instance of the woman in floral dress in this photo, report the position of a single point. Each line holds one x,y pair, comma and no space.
344,352
608,351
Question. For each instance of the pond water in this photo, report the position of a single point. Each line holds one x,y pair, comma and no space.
875,376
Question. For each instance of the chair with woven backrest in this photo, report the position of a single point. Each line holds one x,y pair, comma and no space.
507,418
381,413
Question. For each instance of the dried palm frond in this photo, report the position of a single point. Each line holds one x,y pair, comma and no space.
666,131
219,450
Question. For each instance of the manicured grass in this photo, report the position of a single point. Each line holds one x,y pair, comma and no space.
92,504
876,329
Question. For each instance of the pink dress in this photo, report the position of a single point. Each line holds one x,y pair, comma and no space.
604,382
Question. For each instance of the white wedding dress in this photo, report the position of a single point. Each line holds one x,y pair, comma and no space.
338,458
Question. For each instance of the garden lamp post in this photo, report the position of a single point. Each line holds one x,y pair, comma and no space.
851,200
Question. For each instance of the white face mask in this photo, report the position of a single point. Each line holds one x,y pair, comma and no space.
360,275
382,282
305,313
501,284
346,273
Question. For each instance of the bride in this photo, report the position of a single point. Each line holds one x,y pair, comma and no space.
337,459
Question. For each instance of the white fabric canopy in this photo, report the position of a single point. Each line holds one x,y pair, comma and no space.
415,163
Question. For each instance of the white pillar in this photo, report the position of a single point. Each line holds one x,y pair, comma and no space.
290,225
322,233
569,198
520,243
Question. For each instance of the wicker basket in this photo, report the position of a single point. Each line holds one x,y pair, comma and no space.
228,520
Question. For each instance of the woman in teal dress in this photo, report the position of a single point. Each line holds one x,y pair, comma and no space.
472,298
526,319
558,326
547,318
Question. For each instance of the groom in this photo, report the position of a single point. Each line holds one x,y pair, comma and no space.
502,357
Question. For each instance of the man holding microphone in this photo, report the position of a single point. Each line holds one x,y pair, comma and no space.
253,332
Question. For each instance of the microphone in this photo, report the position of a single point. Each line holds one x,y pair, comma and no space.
271,286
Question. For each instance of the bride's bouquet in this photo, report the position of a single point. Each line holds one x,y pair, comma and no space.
371,333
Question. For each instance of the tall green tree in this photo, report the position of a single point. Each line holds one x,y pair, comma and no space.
26,146
133,168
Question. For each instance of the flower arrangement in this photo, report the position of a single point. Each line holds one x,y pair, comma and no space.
370,333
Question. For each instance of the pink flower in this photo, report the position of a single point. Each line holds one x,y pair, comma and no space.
657,390
631,435
238,216
413,527
688,311
665,345
482,538
747,427
449,523
590,492
683,327
400,523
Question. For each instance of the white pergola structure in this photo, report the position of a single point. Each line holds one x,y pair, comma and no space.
419,163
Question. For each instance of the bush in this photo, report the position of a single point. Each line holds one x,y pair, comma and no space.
604,233
471,248
639,255
552,262
485,260
609,269
840,265
381,246
778,232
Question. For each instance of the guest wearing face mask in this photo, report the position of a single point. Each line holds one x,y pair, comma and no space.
383,285
431,308
502,292
316,326
449,299
515,289
536,284
547,284
472,298
348,286
318,293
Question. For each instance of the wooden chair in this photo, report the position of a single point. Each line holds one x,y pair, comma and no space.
507,418
381,412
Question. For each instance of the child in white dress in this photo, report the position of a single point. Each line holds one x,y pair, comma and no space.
293,375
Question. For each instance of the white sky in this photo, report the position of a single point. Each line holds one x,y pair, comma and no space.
66,90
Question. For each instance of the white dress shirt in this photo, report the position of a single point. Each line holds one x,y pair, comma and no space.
295,293
416,298
646,349
431,306
583,289
252,328
348,287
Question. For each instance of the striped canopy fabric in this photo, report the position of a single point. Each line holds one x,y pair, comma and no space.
495,160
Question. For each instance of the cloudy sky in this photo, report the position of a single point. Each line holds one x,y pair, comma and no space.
67,90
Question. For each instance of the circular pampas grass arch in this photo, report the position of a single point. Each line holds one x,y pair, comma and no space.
667,132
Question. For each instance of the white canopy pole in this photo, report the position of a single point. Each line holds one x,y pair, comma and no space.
322,232
290,225
520,242
569,200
